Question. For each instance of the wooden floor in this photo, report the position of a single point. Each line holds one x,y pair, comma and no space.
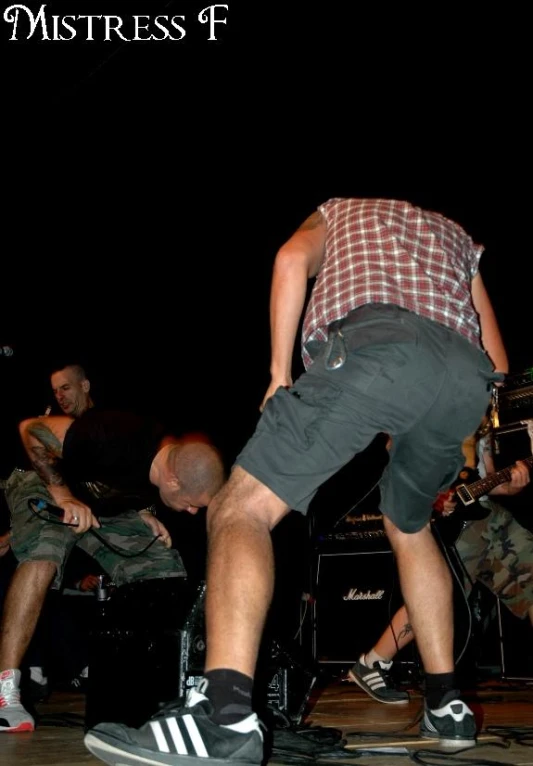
368,727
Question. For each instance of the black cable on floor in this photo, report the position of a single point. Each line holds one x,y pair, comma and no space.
438,758
308,744
388,734
70,720
519,735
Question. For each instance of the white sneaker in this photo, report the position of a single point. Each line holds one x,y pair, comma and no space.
13,716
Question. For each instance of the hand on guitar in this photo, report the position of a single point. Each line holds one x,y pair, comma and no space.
445,502
520,478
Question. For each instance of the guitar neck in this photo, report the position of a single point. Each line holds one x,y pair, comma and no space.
482,486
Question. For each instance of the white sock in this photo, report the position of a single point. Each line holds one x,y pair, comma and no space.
371,658
37,675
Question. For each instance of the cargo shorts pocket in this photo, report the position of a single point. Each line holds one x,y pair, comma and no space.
295,414
314,401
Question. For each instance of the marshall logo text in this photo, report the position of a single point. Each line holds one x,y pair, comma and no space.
359,595
45,26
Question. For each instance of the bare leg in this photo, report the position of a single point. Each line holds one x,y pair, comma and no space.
22,607
240,572
396,635
427,590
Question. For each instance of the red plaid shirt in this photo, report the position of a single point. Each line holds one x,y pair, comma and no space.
386,251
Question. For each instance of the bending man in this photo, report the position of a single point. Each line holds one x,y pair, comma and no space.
104,470
392,343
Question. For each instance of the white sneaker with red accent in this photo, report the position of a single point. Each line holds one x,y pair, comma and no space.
13,716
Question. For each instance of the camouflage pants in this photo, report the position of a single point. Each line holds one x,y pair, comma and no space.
498,552
119,545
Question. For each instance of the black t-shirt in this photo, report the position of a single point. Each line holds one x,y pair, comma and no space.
107,456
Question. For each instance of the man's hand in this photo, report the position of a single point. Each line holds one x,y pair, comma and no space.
89,582
273,387
4,543
520,478
444,503
157,527
77,514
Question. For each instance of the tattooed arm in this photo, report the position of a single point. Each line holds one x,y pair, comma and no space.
43,441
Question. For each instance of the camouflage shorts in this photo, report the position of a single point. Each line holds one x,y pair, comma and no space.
118,545
498,552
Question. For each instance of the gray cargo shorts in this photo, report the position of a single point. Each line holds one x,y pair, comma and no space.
402,374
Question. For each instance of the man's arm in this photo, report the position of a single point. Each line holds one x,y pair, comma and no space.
297,261
520,477
491,338
42,439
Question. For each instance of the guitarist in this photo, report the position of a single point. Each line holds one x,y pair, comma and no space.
496,551
467,499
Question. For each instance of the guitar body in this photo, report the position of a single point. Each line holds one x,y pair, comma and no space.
466,509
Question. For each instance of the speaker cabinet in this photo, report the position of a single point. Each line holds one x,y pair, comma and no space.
356,595
145,645
193,642
516,646
284,679
501,644
511,443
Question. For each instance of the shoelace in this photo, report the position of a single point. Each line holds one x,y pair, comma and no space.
10,694
171,708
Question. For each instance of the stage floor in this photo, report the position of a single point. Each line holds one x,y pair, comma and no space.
504,711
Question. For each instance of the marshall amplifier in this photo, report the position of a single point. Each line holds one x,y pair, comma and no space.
356,595
365,531
512,442
513,401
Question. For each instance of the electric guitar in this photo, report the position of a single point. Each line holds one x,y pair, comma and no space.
466,496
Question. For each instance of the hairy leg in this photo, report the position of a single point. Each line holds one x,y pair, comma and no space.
240,571
23,604
427,590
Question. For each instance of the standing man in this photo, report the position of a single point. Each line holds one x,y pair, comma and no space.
399,337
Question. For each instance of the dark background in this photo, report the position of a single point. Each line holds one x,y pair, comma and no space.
147,186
